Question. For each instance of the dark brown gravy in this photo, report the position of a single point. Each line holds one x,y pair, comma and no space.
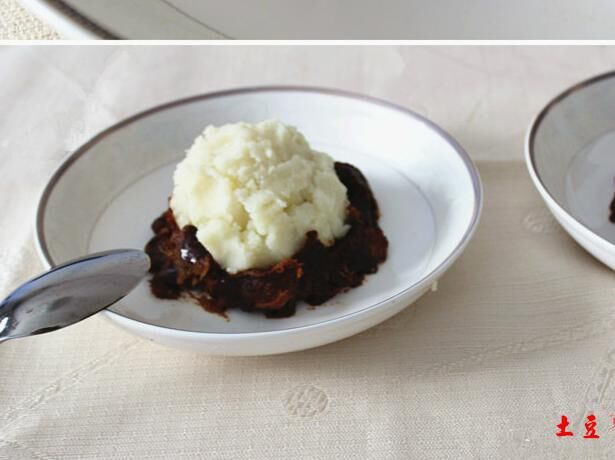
181,265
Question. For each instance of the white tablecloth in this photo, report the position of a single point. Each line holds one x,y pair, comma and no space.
518,333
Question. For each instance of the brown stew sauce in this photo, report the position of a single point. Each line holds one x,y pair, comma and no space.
182,266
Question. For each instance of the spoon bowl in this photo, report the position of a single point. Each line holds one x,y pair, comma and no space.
71,292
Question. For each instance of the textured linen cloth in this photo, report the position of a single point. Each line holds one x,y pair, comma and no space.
519,332
16,23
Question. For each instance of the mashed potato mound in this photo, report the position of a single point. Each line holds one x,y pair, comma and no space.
253,191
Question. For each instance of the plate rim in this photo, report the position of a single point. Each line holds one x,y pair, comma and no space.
54,13
85,25
43,250
530,157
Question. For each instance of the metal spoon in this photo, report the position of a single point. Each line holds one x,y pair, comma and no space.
71,292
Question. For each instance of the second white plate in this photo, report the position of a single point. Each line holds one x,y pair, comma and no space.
569,154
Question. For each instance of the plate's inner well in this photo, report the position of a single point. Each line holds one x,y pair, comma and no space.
590,185
407,221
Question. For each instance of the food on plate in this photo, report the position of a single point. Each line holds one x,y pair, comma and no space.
259,221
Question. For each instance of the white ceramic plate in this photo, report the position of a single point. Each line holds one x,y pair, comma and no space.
570,154
109,191
339,19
